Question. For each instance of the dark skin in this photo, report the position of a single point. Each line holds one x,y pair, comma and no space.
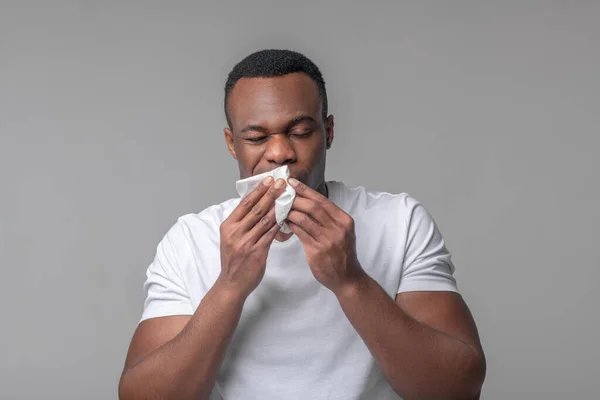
276,122
426,343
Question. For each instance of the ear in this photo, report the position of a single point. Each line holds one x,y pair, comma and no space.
229,141
329,131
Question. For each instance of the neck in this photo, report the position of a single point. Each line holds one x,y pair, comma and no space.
323,189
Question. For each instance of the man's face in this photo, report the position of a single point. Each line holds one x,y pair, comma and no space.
278,121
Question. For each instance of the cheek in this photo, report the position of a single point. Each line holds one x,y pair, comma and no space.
312,152
249,157
311,160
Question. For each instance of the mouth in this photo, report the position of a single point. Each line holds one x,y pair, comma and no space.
264,171
300,175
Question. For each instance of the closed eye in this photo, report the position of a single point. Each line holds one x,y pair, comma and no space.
256,139
304,135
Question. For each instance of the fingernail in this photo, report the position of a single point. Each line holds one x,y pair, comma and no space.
268,180
279,183
293,181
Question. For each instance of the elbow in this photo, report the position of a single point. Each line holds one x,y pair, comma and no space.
473,377
131,388
124,389
128,388
463,382
478,373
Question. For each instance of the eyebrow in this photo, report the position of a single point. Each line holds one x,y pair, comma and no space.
289,125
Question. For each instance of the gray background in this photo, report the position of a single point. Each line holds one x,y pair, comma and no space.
111,127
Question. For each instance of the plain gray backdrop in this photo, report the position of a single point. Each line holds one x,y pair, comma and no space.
111,127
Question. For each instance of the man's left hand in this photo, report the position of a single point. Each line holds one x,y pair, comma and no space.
327,234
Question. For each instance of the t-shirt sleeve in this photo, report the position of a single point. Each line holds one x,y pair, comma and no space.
427,262
165,292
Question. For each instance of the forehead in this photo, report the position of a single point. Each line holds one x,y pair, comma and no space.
273,100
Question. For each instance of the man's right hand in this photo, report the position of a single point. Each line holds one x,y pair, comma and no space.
246,236
164,363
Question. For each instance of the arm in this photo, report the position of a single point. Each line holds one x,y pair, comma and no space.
425,342
177,357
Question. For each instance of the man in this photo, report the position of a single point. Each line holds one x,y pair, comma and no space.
358,302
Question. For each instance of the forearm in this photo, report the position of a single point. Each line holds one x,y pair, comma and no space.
186,366
418,360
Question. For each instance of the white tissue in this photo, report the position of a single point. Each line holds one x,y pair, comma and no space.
283,204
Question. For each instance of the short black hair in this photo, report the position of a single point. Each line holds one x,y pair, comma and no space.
270,63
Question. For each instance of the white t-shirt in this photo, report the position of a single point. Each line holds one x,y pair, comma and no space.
293,340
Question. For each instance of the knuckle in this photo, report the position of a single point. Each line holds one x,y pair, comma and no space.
349,222
224,228
257,209
302,218
238,247
301,187
246,202
233,248
266,220
317,206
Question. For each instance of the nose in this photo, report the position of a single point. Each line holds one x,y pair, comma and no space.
280,150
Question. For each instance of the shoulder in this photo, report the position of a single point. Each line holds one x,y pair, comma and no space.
210,217
357,199
198,227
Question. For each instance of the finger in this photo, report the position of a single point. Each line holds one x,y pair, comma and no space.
262,207
263,226
267,239
305,222
251,199
298,231
303,190
312,208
